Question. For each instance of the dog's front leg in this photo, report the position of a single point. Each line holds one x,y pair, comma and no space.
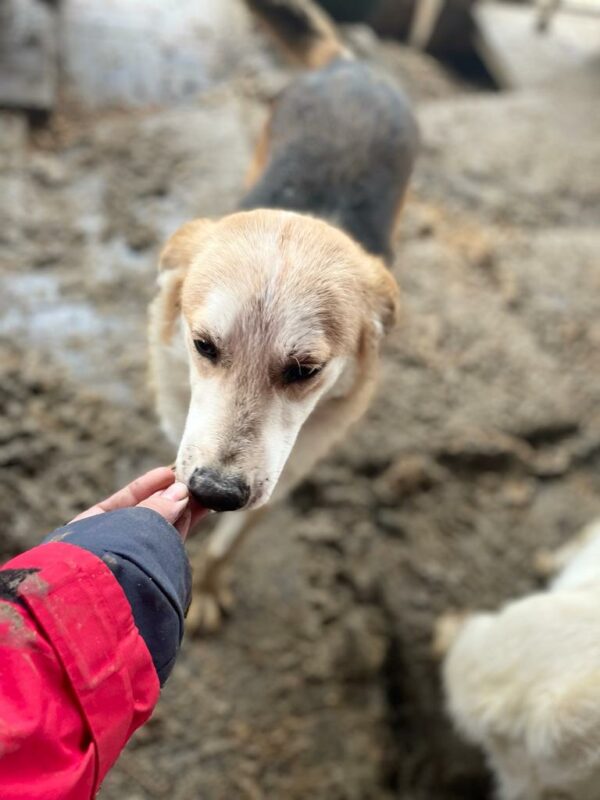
212,596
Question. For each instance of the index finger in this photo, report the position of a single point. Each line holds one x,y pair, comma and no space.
135,492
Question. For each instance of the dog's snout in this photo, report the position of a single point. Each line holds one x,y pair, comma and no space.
217,491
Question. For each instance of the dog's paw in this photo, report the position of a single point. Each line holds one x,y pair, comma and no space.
209,607
204,616
445,630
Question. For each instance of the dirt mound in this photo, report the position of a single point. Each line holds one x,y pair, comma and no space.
60,448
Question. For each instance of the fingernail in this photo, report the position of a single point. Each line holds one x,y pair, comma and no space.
176,491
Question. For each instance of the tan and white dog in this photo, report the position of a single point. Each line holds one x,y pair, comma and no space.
265,333
524,683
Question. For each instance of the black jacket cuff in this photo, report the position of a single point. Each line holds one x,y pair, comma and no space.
147,557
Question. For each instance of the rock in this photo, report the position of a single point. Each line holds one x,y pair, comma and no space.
47,169
406,476
519,56
518,493
28,55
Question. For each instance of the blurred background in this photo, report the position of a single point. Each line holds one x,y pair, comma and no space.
121,119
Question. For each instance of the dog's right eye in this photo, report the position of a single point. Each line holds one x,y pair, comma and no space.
299,373
207,349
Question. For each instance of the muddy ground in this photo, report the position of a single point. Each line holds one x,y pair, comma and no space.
483,444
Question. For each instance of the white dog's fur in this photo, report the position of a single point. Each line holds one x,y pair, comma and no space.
524,683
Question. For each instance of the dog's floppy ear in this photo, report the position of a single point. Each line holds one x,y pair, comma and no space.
184,244
174,261
384,297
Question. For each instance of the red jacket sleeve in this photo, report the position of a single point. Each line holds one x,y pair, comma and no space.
76,678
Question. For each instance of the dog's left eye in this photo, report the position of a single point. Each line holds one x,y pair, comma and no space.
298,373
207,348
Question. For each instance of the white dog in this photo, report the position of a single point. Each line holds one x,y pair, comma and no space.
524,683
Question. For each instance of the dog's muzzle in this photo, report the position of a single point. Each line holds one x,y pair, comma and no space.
218,492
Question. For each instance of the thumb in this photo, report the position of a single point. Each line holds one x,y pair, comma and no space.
169,503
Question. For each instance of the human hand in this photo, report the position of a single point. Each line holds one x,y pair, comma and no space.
159,491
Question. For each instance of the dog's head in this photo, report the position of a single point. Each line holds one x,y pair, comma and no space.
274,308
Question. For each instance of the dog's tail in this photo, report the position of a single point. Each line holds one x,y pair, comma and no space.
304,31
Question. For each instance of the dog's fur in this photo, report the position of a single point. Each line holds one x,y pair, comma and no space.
524,683
295,281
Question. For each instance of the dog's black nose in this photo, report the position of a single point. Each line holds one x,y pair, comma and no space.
217,491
